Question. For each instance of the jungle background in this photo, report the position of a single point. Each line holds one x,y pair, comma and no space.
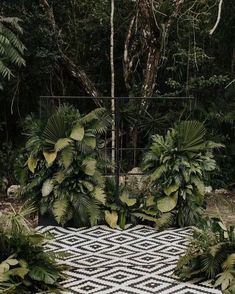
161,49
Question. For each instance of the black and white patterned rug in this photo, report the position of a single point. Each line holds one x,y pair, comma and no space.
138,260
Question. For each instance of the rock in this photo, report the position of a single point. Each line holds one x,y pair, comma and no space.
122,180
13,190
221,191
137,182
208,189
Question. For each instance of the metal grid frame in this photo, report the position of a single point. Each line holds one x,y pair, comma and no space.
116,114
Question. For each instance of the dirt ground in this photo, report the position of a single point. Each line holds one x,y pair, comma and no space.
222,205
8,204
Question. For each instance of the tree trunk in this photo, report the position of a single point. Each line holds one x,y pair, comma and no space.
112,78
72,69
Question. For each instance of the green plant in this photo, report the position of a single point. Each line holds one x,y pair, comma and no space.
65,163
24,265
118,208
133,204
11,48
177,165
8,156
211,254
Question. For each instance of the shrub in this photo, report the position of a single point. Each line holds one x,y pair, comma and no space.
64,164
134,204
177,165
211,254
24,265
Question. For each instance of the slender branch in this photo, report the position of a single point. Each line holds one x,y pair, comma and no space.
218,18
112,76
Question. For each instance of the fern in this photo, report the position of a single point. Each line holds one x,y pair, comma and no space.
211,254
24,265
11,48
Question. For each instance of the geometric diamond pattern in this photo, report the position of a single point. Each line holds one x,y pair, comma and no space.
138,260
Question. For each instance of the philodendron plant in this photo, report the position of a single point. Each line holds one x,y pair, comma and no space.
133,204
64,175
177,165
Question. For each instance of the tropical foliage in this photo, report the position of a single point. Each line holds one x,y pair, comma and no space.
24,265
177,165
11,48
64,165
211,255
69,55
134,204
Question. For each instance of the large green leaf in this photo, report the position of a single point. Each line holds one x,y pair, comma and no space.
89,166
62,143
111,218
145,217
171,189
32,163
60,209
67,156
43,274
224,279
47,187
77,132
99,194
88,185
49,156
150,200
54,130
19,271
59,177
191,136
199,184
125,198
167,204
158,172
90,141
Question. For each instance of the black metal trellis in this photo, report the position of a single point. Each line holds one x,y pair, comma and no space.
116,114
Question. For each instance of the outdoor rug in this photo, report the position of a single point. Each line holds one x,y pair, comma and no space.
138,260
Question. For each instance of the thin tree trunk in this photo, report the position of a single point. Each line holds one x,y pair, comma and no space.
112,78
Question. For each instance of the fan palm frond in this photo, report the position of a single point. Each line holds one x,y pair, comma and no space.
54,130
191,136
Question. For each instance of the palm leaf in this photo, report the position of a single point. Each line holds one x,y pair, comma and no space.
191,136
60,210
54,130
